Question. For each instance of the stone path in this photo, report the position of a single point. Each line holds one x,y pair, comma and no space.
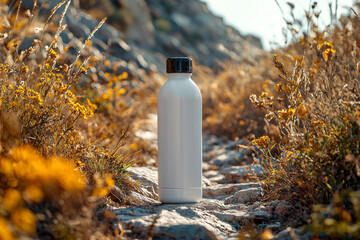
231,198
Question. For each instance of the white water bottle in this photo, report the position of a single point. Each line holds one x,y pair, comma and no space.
179,135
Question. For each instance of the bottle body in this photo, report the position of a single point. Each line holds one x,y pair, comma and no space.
179,140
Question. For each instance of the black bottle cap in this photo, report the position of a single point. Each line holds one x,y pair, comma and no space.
179,65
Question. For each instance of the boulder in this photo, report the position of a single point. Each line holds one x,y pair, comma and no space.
238,173
141,29
226,189
227,157
245,196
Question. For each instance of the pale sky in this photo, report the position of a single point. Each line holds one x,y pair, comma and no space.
264,19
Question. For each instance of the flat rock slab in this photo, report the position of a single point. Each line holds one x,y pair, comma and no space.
208,219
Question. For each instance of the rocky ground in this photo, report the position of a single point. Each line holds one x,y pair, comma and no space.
231,198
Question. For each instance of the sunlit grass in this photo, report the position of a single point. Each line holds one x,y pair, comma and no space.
52,172
312,145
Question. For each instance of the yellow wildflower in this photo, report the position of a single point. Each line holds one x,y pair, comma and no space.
24,219
121,92
64,67
289,154
12,199
291,112
6,167
35,96
105,96
13,44
318,123
63,88
83,70
284,114
325,45
13,104
64,173
278,87
121,104
267,235
52,53
328,49
124,75
24,69
34,194
263,95
298,59
133,146
107,75
262,142
100,191
80,163
32,167
5,232
329,53
358,112
109,181
302,111
110,83
91,106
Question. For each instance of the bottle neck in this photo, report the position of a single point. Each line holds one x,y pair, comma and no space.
179,75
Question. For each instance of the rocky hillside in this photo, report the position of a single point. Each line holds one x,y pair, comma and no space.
146,32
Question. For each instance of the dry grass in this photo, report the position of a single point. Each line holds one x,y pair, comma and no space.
313,119
45,101
54,185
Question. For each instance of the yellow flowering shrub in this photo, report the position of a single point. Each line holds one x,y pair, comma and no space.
312,118
112,91
52,172
43,93
262,142
28,182
28,178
